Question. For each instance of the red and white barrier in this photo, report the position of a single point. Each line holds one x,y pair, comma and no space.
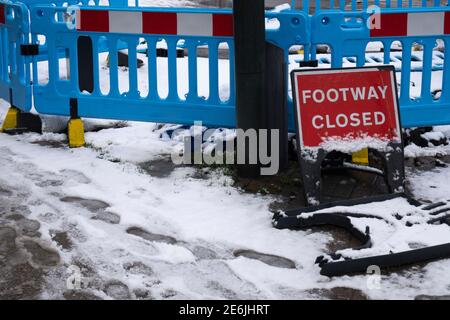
164,23
412,24
2,14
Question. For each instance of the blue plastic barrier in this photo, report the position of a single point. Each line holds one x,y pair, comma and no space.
339,24
53,97
15,84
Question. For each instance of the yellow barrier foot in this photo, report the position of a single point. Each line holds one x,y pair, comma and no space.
10,121
361,157
17,121
75,133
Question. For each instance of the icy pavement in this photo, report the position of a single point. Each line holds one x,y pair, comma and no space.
119,225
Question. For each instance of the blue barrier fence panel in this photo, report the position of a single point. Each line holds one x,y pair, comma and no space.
193,28
15,85
201,87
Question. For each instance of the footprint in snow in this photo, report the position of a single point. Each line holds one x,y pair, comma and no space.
151,236
77,176
117,290
108,217
268,259
92,205
138,267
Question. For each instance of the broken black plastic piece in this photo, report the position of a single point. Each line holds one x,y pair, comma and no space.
435,213
350,202
434,205
293,219
386,262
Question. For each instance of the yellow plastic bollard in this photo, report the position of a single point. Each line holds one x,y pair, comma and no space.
361,157
10,121
75,130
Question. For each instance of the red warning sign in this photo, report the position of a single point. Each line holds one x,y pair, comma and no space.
345,103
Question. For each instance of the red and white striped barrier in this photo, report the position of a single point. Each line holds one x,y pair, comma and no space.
412,24
164,23
2,14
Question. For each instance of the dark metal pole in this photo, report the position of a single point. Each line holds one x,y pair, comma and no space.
250,57
276,100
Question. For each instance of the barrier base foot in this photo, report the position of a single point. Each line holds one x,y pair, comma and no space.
17,121
75,133
10,121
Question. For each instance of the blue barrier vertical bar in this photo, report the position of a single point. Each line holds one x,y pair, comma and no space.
34,66
213,72
3,52
387,51
318,6
53,68
445,95
151,63
12,56
360,60
332,4
427,62
313,52
192,61
232,99
305,6
113,67
20,60
172,68
406,72
73,67
336,57
96,62
132,67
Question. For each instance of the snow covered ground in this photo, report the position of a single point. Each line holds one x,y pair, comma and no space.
173,233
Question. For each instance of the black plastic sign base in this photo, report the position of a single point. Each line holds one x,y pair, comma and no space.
393,171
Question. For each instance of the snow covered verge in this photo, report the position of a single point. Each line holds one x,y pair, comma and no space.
171,233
